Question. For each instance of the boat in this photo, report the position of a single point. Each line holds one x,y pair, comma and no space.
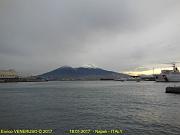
134,78
169,75
121,79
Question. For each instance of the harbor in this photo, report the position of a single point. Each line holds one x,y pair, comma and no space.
90,67
7,76
67,73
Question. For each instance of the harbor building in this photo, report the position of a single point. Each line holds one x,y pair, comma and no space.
8,74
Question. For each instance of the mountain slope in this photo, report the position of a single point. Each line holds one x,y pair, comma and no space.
81,73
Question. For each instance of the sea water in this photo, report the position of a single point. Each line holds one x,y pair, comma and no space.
61,107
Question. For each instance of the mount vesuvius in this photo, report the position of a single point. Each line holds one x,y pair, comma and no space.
81,73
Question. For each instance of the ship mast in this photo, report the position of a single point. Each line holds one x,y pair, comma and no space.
174,67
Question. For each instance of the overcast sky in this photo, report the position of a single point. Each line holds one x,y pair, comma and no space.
40,35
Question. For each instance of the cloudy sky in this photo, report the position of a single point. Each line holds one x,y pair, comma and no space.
121,35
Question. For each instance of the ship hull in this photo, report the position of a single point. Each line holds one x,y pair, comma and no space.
173,77
168,78
160,78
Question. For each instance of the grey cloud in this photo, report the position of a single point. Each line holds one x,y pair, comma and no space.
117,35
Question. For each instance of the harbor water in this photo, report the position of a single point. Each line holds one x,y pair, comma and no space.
136,108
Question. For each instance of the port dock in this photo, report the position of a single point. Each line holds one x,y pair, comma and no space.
175,89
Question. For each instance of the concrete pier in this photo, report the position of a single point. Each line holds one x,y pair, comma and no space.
173,89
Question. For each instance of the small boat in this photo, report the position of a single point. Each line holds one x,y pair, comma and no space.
137,79
121,79
173,89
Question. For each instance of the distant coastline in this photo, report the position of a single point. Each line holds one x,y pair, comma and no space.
67,73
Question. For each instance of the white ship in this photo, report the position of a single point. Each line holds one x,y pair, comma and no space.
169,75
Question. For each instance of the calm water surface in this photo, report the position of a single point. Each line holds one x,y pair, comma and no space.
137,108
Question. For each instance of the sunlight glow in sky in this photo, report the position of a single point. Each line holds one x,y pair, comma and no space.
148,72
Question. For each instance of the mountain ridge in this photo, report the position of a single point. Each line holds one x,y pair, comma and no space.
81,73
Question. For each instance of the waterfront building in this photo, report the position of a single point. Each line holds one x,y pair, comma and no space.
8,74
